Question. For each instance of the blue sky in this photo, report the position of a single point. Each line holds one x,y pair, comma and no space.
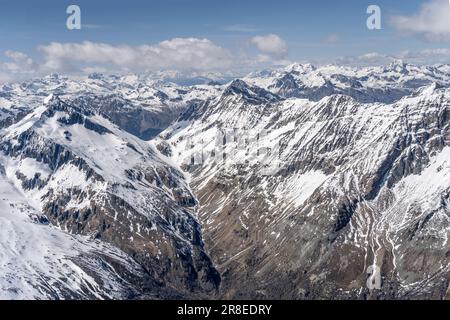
312,30
25,24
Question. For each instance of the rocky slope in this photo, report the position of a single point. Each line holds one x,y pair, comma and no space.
302,199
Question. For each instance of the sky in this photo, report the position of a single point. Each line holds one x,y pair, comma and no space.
208,36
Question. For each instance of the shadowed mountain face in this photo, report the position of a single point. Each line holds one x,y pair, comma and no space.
299,183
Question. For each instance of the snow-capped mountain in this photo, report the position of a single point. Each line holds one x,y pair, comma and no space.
85,176
303,182
371,84
302,198
141,105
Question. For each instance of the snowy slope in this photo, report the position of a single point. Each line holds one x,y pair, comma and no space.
88,177
41,262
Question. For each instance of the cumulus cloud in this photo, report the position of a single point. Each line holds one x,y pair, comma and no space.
432,21
263,60
179,53
19,66
271,44
187,55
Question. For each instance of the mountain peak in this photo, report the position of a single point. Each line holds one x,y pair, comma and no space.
96,76
300,68
51,99
398,65
252,94
237,86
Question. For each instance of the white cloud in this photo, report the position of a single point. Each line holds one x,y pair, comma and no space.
368,59
19,62
18,67
432,22
178,53
271,44
181,54
263,60
188,55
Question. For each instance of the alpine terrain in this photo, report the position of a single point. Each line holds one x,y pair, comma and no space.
298,183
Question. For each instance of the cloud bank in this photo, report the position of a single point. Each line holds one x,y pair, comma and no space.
179,54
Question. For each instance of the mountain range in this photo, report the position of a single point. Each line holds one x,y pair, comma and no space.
297,183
